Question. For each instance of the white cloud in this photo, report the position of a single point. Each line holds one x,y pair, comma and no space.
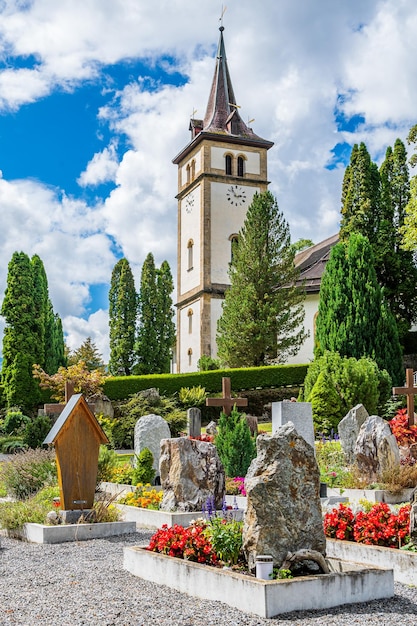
96,326
101,169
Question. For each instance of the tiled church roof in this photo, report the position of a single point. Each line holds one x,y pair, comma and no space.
312,263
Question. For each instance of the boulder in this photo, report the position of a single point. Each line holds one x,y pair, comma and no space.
191,474
376,448
283,498
349,428
149,431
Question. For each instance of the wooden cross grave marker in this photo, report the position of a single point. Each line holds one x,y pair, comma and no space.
226,402
410,391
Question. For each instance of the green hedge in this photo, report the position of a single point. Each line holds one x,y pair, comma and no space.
121,387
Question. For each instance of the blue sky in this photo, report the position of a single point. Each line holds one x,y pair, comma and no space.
95,101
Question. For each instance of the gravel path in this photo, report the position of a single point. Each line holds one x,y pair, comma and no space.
84,583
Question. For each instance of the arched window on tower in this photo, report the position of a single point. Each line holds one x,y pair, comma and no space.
240,166
190,356
190,321
234,240
190,248
193,169
228,164
187,169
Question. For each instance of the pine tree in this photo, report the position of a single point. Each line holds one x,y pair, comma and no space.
21,335
88,354
123,306
147,340
54,340
234,444
263,308
41,302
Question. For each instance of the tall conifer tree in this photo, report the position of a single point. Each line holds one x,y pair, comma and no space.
123,308
263,308
165,314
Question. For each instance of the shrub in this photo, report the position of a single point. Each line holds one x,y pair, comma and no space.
14,422
107,462
13,515
192,396
144,471
12,444
226,538
36,430
206,363
27,472
144,403
234,444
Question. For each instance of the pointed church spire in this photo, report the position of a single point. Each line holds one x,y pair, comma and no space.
222,113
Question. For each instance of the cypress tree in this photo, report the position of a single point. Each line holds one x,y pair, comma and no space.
41,302
263,309
164,316
147,339
21,335
123,306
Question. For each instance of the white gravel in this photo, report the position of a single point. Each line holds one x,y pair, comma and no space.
84,583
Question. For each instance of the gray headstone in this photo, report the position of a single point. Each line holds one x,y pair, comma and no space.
283,498
299,413
349,428
376,448
149,431
211,428
191,472
194,422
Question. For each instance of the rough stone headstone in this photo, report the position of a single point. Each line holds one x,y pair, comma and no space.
194,422
349,428
211,428
283,498
191,473
298,413
376,448
149,431
413,519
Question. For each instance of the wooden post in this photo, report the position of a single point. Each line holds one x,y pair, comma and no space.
226,402
410,391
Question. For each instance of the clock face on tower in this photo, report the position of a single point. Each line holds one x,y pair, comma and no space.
189,203
236,195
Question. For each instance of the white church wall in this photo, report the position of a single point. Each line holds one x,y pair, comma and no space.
190,341
190,231
225,221
252,159
197,167
306,352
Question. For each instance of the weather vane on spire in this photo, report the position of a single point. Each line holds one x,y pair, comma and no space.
221,17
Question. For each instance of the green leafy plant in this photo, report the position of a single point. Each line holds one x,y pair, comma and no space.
235,446
12,444
281,574
36,430
144,471
206,363
13,515
14,422
226,538
107,462
192,396
27,472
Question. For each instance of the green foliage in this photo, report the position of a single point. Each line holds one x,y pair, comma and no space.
121,387
409,228
143,471
206,363
263,309
156,331
353,381
353,318
119,430
29,471
192,396
88,355
234,443
107,461
332,462
226,538
281,574
36,430
13,515
123,308
12,444
14,422
144,403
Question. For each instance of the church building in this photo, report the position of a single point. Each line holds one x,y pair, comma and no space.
219,172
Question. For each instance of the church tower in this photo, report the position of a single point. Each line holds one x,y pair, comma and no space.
219,172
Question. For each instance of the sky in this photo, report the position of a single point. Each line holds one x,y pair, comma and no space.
95,102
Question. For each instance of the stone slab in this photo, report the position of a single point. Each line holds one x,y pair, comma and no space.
299,413
347,584
40,533
148,518
402,562
372,495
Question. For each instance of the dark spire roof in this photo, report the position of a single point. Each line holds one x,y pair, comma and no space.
222,114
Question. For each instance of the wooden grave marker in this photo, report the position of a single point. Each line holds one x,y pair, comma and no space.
410,391
226,402
76,436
